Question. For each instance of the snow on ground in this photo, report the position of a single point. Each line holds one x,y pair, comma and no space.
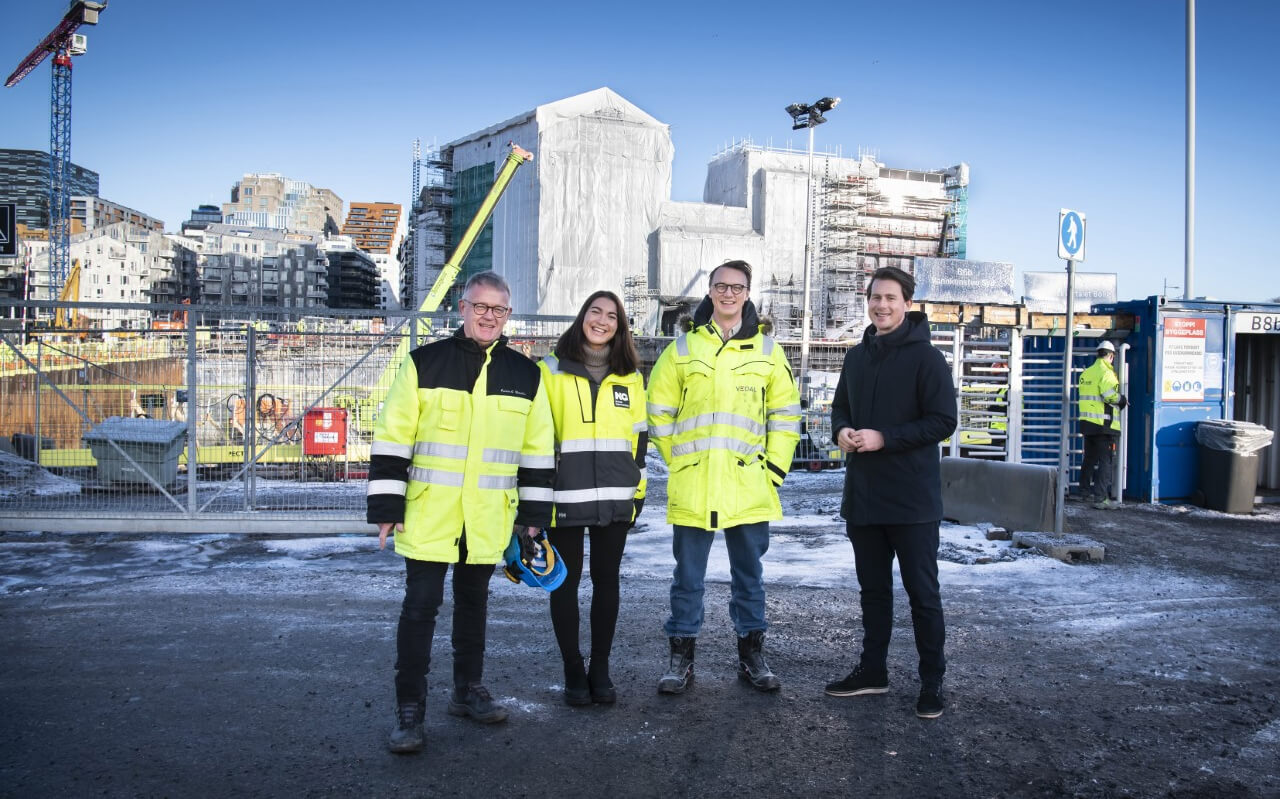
20,477
808,546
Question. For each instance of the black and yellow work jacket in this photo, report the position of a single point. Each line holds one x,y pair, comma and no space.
601,439
464,445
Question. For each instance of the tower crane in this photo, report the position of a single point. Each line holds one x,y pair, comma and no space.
62,43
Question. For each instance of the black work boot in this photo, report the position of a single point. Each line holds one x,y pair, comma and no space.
680,667
602,690
751,665
576,692
930,704
407,737
474,700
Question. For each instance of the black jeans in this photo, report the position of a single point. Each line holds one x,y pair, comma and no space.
423,595
916,547
607,544
1097,472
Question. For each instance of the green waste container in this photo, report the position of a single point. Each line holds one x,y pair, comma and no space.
1229,463
154,445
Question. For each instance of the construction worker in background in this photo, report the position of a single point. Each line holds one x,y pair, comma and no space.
724,411
1100,405
463,456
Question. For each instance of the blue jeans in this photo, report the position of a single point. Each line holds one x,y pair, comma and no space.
746,543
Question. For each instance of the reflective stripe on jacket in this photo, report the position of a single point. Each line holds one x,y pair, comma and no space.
601,435
457,451
726,418
1099,395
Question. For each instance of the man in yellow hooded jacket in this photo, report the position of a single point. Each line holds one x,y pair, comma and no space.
724,412
462,457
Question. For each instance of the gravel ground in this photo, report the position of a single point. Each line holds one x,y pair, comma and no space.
247,666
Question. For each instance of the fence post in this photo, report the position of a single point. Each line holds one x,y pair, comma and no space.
250,417
193,414
35,382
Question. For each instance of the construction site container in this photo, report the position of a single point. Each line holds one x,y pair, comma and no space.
153,444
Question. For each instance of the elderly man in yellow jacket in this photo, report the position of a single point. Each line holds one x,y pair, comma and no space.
724,412
462,456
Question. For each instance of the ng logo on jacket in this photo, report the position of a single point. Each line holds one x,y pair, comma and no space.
621,398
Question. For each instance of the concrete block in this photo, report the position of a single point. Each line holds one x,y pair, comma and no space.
1015,496
1066,548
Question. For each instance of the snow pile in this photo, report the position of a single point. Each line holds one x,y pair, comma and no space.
22,478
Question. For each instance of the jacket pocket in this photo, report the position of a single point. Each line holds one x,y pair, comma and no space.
682,487
450,410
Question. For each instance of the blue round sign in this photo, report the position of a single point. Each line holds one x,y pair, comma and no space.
1072,233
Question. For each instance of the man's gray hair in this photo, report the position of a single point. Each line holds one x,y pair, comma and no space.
488,278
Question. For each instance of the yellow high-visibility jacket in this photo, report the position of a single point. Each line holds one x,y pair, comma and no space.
726,418
1100,395
602,435
463,446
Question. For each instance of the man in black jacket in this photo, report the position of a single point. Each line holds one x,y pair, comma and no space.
894,403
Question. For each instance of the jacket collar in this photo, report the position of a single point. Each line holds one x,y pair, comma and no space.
914,328
471,346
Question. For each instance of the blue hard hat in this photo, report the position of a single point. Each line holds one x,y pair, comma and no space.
533,561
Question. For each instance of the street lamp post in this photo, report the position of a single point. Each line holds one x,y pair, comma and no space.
808,116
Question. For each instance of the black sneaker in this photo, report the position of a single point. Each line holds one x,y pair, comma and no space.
930,704
860,681
476,702
407,737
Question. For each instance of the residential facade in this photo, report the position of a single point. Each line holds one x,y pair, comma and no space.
271,200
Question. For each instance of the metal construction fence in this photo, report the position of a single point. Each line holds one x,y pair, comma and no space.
279,412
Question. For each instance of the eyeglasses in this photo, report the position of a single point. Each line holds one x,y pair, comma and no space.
481,308
725,288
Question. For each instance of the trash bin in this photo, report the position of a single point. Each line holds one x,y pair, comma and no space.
153,443
1229,463
25,445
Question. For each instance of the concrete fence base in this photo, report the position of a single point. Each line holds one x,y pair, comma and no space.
1016,496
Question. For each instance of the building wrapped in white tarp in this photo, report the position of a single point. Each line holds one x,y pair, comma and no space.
594,211
578,217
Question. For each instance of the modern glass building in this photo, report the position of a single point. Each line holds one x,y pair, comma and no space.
24,180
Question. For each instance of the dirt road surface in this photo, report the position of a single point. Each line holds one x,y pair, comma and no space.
237,666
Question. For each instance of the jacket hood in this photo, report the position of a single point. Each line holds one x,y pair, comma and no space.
750,318
914,328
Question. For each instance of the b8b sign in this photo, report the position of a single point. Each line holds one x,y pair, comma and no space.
1254,322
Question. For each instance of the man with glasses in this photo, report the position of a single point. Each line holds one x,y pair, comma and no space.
463,455
724,411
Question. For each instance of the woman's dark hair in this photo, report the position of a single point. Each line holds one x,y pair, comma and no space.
904,280
623,359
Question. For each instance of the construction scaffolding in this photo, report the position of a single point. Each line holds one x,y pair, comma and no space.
434,223
872,217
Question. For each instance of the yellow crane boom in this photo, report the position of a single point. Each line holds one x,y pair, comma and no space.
516,158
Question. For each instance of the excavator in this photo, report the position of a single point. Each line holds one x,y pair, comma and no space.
67,319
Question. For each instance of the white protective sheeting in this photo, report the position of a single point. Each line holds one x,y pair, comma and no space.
579,217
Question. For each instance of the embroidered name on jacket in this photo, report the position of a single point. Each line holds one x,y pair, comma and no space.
621,397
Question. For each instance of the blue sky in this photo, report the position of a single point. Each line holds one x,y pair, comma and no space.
1076,105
